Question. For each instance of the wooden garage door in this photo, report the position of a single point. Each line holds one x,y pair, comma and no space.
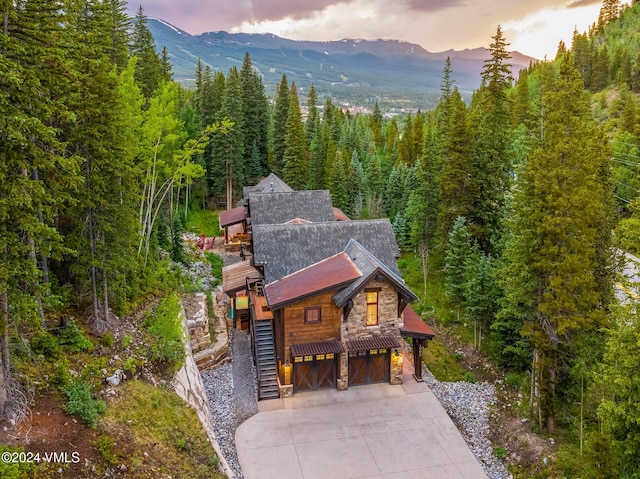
311,373
369,367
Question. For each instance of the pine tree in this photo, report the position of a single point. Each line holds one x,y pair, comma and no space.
149,71
104,135
619,410
279,122
313,117
296,170
36,178
255,117
424,202
446,86
493,168
227,162
481,292
337,178
119,27
458,250
405,144
165,66
318,157
457,179
562,209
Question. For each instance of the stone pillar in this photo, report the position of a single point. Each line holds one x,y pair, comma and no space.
396,367
343,372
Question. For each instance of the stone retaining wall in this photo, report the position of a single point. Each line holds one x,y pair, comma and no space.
188,385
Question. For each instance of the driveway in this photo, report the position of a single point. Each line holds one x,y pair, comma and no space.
376,431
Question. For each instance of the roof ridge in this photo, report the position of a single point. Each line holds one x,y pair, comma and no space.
379,263
317,263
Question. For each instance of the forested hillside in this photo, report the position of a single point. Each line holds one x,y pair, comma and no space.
515,195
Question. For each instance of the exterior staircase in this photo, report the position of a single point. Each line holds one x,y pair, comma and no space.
265,360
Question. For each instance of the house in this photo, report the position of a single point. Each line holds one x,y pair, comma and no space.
234,220
326,301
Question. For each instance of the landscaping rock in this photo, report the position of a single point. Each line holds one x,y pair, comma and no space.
468,405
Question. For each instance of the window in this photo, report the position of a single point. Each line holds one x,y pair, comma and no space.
372,308
312,315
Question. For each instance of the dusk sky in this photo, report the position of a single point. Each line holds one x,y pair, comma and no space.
532,27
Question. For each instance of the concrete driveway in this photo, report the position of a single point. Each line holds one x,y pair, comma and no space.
377,431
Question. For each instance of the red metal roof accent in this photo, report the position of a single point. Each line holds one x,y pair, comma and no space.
311,349
231,217
414,326
339,215
333,272
298,221
375,342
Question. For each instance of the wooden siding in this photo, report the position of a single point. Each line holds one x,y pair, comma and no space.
296,331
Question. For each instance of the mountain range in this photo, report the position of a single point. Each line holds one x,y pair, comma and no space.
355,70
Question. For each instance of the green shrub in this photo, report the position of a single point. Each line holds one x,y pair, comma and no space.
216,263
513,380
61,375
500,452
165,327
126,340
45,345
470,377
106,340
15,469
105,446
80,402
73,338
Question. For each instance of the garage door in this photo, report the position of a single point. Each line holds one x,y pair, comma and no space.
369,367
311,373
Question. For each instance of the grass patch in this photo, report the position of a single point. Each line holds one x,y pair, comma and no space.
156,421
216,263
435,301
203,222
166,342
444,366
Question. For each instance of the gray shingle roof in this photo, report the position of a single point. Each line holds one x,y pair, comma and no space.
284,249
276,208
368,265
271,184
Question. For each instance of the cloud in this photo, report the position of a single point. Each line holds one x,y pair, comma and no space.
432,5
583,3
277,9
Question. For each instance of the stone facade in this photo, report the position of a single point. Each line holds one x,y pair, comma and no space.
389,324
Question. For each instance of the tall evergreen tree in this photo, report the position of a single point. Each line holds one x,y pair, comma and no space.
312,122
166,72
279,122
560,208
458,251
255,117
36,178
490,114
296,169
227,162
457,179
149,71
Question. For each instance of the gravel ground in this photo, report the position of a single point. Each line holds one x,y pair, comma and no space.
231,389
468,405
